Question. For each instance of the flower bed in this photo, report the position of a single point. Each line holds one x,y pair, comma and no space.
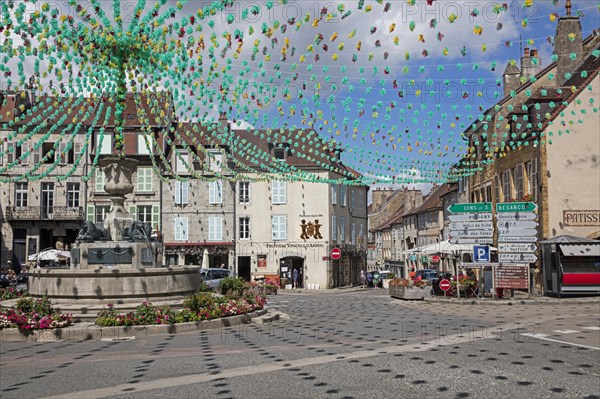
262,288
200,306
11,293
33,314
409,289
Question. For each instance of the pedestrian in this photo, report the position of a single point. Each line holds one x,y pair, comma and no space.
295,277
362,278
376,280
412,273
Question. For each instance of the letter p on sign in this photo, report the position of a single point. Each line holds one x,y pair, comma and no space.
481,253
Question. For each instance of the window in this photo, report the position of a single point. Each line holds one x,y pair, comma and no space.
244,191
104,143
279,227
353,234
519,183
47,157
361,233
73,195
99,181
244,228
145,143
342,226
278,192
361,202
215,228
181,160
497,188
215,159
215,193
21,189
532,176
101,212
506,185
333,194
333,228
181,228
343,195
279,153
144,213
144,179
352,199
182,192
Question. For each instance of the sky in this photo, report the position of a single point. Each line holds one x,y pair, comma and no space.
395,86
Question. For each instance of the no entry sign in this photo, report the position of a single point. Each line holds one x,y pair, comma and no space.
336,253
444,285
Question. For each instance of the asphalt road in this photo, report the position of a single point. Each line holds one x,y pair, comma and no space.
345,345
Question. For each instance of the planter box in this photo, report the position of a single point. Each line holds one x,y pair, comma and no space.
401,292
265,290
386,282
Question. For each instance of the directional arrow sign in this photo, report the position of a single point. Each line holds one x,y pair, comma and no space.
471,217
516,207
470,207
517,224
517,247
517,232
516,216
472,226
516,258
516,239
471,240
471,233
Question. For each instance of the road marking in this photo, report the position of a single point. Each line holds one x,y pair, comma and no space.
545,338
486,333
593,328
565,331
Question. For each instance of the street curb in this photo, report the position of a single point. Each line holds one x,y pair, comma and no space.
512,302
88,331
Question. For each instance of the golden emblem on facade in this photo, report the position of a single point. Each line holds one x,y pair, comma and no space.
310,229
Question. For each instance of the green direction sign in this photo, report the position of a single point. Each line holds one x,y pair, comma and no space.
470,207
516,207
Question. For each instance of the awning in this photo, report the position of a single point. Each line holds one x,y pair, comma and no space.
580,249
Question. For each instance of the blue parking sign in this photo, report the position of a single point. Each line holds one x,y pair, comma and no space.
481,253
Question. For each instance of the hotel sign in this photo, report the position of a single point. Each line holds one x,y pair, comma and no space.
581,218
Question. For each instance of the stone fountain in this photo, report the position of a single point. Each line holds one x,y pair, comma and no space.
117,262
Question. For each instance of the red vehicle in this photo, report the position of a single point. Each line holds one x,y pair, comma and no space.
572,267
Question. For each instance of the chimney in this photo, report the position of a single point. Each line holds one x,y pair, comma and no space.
568,41
511,78
529,67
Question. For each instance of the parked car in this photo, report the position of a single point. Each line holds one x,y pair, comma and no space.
212,277
426,274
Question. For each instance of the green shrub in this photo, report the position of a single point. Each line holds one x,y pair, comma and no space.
205,288
199,301
232,286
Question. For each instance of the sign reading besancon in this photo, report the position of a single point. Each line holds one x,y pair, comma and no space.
516,207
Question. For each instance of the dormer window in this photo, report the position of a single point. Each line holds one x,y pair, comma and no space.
279,153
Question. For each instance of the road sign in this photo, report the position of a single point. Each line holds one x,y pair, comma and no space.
517,257
517,224
470,207
445,285
471,217
514,277
516,216
517,247
335,253
516,207
481,253
516,232
487,240
471,233
516,239
470,265
472,226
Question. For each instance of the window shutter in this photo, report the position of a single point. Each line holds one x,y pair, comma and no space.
61,156
178,190
184,229
76,151
155,216
219,192
10,155
1,153
333,228
177,229
25,150
333,194
185,192
91,213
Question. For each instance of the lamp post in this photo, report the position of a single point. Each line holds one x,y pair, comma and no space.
456,255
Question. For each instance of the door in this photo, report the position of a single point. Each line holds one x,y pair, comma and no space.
244,267
19,251
47,200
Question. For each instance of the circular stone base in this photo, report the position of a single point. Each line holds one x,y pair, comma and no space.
115,285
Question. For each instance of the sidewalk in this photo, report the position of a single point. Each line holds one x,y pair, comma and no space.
520,298
323,290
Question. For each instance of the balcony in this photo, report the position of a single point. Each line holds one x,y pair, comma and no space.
28,213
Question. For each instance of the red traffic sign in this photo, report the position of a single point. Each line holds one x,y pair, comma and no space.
444,285
335,253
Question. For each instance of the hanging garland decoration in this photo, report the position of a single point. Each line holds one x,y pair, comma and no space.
395,98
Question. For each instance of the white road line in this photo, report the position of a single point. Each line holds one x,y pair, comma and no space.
565,331
593,328
545,338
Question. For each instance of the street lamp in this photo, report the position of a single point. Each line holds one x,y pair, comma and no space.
456,254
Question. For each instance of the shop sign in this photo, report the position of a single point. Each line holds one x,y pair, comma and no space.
514,277
581,218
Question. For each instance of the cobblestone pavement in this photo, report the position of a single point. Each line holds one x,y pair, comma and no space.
360,344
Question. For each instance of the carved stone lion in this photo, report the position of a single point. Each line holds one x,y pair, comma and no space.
90,232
